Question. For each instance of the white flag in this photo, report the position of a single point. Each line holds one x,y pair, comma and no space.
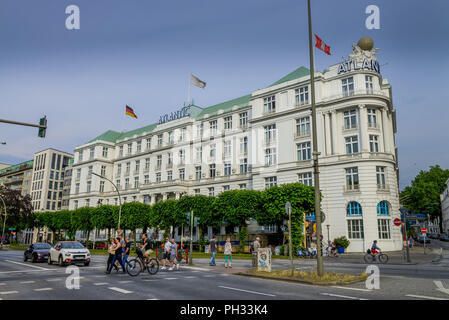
197,82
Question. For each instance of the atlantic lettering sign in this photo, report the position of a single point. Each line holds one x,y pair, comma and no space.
184,112
366,64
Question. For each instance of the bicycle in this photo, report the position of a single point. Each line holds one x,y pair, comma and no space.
136,265
370,257
331,252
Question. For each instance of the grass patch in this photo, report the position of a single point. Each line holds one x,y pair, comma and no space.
17,246
313,276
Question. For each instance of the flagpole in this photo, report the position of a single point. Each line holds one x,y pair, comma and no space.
123,122
188,91
316,175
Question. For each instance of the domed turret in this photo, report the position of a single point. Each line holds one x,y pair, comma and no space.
366,43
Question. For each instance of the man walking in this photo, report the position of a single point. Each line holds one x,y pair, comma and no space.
127,246
173,254
167,249
212,250
255,248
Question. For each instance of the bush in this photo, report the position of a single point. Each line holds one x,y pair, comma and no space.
342,242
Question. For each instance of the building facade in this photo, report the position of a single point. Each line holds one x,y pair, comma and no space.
445,208
18,177
264,139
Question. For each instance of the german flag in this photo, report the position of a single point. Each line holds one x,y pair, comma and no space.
130,112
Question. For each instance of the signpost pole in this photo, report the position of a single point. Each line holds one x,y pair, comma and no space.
191,238
288,209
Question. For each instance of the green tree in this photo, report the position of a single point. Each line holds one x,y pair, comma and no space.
18,209
302,199
82,220
104,217
166,214
63,221
134,216
423,195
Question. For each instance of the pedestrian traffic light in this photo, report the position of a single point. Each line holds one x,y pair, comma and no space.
42,122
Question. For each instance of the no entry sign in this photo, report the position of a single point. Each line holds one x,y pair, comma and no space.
423,230
397,222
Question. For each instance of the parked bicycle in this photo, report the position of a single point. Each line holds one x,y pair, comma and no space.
370,257
137,265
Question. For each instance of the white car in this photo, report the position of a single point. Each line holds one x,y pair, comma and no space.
69,252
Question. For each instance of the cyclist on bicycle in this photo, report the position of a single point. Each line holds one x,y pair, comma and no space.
375,250
146,247
333,247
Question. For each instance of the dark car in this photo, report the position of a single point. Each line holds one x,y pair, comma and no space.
422,238
444,237
37,252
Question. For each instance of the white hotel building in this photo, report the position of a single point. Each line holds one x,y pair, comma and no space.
263,139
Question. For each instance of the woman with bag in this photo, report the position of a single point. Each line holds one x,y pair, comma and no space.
228,252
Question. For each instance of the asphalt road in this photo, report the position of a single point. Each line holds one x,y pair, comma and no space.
25,280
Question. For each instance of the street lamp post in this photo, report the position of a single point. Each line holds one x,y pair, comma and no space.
4,221
119,197
407,250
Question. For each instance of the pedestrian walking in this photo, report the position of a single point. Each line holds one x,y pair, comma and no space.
212,250
111,251
125,251
173,254
254,248
167,249
228,253
410,241
117,256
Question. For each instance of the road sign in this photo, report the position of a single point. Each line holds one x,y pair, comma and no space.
423,230
288,207
397,222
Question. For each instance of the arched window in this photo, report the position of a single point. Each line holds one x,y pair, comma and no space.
383,208
354,209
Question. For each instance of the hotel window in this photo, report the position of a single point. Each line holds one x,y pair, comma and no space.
305,178
76,205
380,175
126,183
243,119
302,96
89,186
170,158
348,86
87,202
169,175
89,172
146,179
146,199
352,178
355,229
130,147
242,186
200,130
270,182
270,133
148,143
119,170
183,134
226,188
227,148
303,126
383,226
120,153
211,192
354,209
52,174
197,191
213,125
117,183
244,145
350,119
182,157
128,167
373,143
304,151
269,104
139,146
198,173
77,188
78,173
372,118
352,145
227,169
159,140
105,152
383,208
101,186
137,166
159,162
270,156
243,166
158,177
103,171
91,154
57,176
369,84
228,123
212,171
171,137
212,150
199,153
182,174
147,164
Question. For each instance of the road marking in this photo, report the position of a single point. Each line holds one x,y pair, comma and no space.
101,283
43,289
424,297
153,299
125,281
440,287
209,276
31,281
97,276
170,278
2,284
28,265
341,296
9,292
191,277
120,290
196,268
54,279
249,291
349,288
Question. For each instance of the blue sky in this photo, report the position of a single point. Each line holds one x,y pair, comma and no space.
141,53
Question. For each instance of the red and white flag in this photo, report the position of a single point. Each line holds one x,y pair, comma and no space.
322,46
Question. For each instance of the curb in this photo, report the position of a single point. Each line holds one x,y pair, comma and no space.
332,283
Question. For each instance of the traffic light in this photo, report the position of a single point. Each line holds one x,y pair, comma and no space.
42,122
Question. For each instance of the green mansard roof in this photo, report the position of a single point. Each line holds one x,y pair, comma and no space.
298,73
